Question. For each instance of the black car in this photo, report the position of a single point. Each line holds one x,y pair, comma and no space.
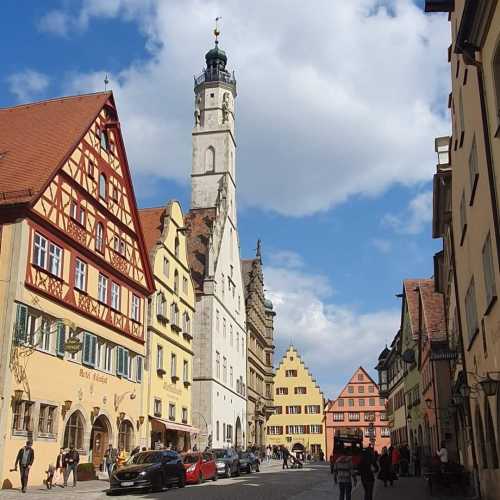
227,461
248,462
149,470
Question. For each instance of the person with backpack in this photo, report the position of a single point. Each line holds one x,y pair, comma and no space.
344,476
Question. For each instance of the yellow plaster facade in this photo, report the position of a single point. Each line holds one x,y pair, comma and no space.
298,421
170,316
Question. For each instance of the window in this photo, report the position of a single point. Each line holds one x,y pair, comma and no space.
186,320
126,436
171,411
22,414
217,321
46,419
353,416
231,376
341,402
99,237
176,247
174,314
369,416
281,391
184,415
231,335
224,328
40,245
312,409
224,369
159,357
173,365
73,210
74,431
316,429
489,273
52,264
385,432
185,371
217,364
90,169
290,373
89,349
102,187
382,416
360,377
114,193
274,430
102,289
139,368
229,434
371,402
473,170
293,410
80,275
361,389
55,257
300,390
136,308
351,402
371,389
217,430
157,407
115,296
60,338
81,216
471,311
161,305
122,362
295,429
350,389
338,416
44,336
184,285
278,410
210,159
176,282
119,246
108,358
463,218
237,341
166,267
361,402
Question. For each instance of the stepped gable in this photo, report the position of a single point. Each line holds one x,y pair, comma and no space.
199,223
36,140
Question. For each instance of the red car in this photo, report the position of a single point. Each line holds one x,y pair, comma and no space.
199,467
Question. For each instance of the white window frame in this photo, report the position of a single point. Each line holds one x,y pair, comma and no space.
136,308
102,288
99,237
80,275
40,250
115,296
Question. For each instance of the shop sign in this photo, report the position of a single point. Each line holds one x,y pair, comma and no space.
73,345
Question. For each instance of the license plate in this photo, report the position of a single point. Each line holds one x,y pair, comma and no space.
127,483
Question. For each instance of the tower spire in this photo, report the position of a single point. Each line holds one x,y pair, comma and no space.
216,30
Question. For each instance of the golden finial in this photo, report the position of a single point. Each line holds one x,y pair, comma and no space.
216,30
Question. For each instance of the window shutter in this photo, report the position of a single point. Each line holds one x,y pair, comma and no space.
119,361
139,369
125,363
86,348
61,339
21,331
93,349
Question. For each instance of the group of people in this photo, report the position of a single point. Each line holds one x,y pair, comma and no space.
66,464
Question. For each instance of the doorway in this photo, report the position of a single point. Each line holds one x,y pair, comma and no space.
99,440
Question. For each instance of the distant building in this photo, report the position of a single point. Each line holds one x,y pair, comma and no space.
297,422
358,406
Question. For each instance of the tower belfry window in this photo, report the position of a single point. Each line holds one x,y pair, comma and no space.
210,159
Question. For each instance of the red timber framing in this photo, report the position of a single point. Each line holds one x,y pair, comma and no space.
67,212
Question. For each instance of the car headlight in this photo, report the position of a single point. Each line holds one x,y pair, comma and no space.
143,473
191,468
220,464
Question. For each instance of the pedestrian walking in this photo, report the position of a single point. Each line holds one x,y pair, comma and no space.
367,467
343,475
286,455
269,453
386,473
59,472
25,458
50,476
110,459
71,460
442,453
417,453
405,460
395,458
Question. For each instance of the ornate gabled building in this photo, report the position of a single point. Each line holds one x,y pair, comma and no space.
74,279
170,339
219,344
260,350
298,420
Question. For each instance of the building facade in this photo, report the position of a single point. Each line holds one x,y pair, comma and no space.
297,422
358,406
470,230
74,279
169,350
260,350
219,344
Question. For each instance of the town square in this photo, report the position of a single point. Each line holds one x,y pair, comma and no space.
250,249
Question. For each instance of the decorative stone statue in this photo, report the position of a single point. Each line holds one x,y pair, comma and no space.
197,112
225,107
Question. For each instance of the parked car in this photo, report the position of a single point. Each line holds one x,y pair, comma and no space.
149,470
227,461
248,462
199,467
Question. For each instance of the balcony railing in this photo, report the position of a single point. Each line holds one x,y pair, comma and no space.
215,75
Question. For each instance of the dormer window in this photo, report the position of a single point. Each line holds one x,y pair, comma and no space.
102,187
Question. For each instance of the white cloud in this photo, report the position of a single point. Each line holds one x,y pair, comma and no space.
28,84
382,245
333,339
416,218
334,100
55,22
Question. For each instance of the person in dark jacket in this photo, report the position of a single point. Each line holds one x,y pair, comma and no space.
286,456
25,458
386,473
367,466
71,460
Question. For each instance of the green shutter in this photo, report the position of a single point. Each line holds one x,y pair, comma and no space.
93,350
86,348
21,328
61,339
125,364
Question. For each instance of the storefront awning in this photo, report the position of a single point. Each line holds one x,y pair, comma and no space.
175,427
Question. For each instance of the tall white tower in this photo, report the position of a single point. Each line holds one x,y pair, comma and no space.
214,144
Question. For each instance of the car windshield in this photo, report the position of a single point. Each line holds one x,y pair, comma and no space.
220,453
191,459
148,457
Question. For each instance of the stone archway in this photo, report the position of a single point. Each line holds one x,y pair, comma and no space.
238,434
100,437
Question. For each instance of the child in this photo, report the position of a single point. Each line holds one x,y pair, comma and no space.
50,476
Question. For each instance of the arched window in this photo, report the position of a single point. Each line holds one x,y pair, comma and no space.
74,431
177,247
210,159
160,304
186,323
483,458
102,186
491,443
99,237
176,281
126,436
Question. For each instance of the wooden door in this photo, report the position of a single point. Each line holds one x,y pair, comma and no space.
99,443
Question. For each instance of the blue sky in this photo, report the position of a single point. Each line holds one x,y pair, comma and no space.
337,111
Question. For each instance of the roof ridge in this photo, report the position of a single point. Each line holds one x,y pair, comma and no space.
55,99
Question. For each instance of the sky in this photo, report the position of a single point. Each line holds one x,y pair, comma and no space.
337,110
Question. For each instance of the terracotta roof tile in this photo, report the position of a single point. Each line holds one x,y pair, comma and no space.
199,224
152,225
36,138
433,311
411,294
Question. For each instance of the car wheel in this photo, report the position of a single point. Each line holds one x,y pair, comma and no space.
215,476
201,479
238,472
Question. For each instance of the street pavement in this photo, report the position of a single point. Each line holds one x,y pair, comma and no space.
313,482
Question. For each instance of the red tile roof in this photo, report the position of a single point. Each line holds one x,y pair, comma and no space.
152,225
199,224
412,301
433,311
35,139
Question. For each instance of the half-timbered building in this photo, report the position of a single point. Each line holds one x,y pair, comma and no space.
74,281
